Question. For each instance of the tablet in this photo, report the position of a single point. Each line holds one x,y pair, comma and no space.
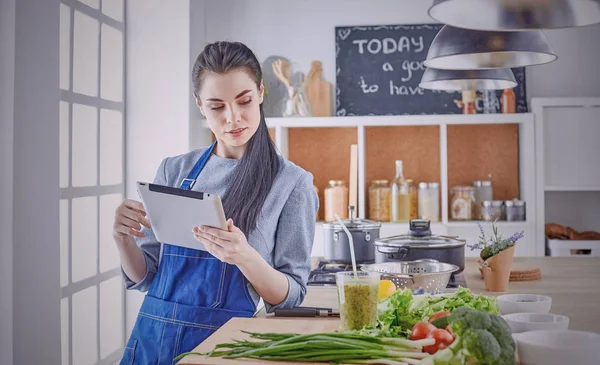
174,212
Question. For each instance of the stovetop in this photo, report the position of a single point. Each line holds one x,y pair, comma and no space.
324,275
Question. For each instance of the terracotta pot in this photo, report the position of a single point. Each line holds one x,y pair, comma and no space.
496,270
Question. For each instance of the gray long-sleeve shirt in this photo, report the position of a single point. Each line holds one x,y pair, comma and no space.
285,228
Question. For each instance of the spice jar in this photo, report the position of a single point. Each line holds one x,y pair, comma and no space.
429,203
336,200
461,206
379,200
413,200
492,210
515,210
483,192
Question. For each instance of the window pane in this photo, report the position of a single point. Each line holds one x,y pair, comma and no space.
64,242
111,147
85,54
85,326
93,3
65,46
85,145
64,144
112,63
84,240
64,330
113,8
109,255
111,316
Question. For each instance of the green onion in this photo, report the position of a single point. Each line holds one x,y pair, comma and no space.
335,347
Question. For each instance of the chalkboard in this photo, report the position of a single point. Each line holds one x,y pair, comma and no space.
379,68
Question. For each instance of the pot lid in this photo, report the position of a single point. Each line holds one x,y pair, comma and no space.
419,236
353,223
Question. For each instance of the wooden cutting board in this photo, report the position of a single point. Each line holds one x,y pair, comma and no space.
232,330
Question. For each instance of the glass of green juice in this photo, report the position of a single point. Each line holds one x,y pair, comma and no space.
357,297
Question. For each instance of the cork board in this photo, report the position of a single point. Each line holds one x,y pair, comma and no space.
476,152
325,152
417,146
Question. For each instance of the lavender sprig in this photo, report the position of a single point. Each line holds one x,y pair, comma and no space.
517,236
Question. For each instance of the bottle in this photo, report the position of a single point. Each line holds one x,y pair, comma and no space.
400,202
509,101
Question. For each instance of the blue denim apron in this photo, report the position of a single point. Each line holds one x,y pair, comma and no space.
191,296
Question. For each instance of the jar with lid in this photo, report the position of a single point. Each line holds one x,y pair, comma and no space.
336,200
429,203
483,192
515,210
461,206
492,210
379,200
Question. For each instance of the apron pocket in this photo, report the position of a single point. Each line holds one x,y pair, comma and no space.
129,353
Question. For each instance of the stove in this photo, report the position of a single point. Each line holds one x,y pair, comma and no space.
324,275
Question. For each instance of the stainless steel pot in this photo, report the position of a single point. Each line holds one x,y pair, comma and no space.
420,244
364,233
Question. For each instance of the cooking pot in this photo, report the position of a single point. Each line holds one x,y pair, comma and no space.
364,233
420,244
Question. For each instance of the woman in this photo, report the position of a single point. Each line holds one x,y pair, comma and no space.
271,205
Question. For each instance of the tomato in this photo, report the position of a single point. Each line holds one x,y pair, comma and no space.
438,315
449,330
421,330
442,339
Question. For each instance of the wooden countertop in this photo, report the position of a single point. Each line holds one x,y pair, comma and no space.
572,282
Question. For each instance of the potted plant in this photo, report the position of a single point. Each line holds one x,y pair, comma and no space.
496,257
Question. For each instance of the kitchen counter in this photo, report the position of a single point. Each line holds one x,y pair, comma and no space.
572,282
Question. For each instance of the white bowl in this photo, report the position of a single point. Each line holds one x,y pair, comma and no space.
523,303
523,322
557,347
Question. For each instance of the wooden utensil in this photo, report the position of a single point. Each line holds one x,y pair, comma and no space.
232,330
318,91
353,182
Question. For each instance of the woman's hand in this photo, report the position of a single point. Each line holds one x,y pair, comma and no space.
228,246
129,219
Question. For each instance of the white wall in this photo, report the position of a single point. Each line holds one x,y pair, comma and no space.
7,69
36,261
303,31
157,94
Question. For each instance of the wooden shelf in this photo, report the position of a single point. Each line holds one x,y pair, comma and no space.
572,188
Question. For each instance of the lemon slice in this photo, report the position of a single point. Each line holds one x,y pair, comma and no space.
386,288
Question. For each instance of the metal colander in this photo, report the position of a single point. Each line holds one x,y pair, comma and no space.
430,275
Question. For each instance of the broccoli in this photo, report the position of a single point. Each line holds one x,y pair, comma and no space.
481,338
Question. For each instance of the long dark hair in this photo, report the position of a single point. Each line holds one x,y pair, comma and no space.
254,176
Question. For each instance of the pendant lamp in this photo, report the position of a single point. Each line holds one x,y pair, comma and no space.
459,80
463,49
515,15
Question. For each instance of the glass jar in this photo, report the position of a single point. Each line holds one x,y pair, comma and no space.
429,203
336,200
461,206
492,210
357,298
515,210
413,200
483,192
379,200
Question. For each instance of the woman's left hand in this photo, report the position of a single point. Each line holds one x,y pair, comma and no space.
228,246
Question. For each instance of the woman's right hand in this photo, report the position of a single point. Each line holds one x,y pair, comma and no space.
130,216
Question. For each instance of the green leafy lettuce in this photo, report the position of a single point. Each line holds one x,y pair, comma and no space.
399,312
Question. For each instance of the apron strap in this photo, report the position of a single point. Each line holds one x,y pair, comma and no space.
189,182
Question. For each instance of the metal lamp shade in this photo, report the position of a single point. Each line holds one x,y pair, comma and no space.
459,80
514,15
463,49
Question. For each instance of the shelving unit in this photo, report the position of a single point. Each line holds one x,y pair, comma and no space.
284,129
568,172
